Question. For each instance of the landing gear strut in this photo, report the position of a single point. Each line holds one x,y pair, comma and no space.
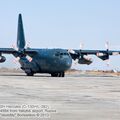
61,74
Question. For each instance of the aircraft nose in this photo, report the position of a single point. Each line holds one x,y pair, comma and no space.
67,63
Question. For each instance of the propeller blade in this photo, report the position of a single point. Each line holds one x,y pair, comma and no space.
108,62
71,51
107,45
28,44
81,46
29,58
14,47
16,60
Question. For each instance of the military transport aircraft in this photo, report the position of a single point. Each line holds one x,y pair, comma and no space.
52,61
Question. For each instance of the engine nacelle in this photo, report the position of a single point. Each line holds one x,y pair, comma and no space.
85,60
103,56
2,59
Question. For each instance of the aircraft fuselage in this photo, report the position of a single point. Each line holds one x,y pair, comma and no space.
47,61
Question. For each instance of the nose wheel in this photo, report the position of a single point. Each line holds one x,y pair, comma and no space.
29,73
61,74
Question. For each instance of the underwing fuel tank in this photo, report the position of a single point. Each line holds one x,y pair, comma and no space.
2,59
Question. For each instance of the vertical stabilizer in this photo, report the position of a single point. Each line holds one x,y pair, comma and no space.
20,34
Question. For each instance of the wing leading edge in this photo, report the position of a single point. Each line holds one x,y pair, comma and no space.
13,51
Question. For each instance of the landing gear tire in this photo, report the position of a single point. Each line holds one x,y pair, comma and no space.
30,74
61,74
54,74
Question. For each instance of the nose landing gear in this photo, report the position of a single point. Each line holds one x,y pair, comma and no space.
30,74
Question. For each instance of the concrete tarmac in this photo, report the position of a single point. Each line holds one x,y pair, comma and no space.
71,98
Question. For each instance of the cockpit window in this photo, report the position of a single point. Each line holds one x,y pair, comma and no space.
57,54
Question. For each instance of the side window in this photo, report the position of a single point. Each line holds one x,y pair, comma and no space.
61,54
57,54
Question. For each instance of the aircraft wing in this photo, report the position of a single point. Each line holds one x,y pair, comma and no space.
7,50
94,52
13,51
16,53
82,59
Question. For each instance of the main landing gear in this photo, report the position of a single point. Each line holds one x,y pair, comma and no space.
61,74
30,74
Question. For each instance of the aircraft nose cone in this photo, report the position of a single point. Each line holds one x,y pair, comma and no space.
67,63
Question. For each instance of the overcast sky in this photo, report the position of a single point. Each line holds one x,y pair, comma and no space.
63,24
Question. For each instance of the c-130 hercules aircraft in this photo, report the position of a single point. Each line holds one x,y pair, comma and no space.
52,61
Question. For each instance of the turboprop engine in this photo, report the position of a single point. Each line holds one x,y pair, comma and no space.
103,56
2,59
85,60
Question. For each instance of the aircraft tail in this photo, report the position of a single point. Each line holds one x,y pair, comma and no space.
20,34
